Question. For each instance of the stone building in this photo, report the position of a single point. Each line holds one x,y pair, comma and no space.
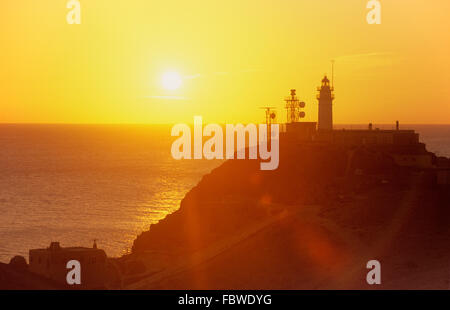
51,263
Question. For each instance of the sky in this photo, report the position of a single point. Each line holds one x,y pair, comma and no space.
232,57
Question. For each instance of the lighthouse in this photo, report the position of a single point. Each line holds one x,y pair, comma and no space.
325,97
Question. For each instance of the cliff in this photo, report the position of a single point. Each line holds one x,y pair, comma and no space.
313,223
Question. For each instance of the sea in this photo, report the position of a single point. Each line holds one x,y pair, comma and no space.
78,183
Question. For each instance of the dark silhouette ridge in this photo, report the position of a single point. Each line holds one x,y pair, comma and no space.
13,277
312,223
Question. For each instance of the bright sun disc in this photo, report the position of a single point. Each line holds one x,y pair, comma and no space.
171,80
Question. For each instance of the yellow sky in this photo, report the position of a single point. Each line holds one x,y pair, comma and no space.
235,56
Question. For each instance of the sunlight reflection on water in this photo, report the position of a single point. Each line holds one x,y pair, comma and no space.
74,184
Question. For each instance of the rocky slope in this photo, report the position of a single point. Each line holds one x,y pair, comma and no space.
312,223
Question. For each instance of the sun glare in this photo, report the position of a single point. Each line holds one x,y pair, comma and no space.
171,80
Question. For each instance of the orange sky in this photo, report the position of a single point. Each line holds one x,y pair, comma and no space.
234,56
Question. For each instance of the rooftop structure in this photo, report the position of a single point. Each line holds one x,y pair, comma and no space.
293,106
51,263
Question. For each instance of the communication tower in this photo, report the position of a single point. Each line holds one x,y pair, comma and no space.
271,118
293,106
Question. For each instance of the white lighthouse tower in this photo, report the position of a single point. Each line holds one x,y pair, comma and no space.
325,97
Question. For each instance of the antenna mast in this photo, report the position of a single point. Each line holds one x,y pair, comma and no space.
271,115
293,106
271,118
332,73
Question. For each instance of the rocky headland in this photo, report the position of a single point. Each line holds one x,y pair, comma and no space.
313,223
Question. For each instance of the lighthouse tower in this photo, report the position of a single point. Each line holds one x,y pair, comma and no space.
325,97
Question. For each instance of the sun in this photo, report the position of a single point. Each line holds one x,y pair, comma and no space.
171,80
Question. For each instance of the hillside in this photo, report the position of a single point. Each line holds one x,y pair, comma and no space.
311,224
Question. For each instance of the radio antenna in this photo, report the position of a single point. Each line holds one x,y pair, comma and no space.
332,73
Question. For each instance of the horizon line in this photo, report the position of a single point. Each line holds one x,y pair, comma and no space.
129,124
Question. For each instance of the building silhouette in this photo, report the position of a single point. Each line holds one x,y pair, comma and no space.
402,145
325,97
51,263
